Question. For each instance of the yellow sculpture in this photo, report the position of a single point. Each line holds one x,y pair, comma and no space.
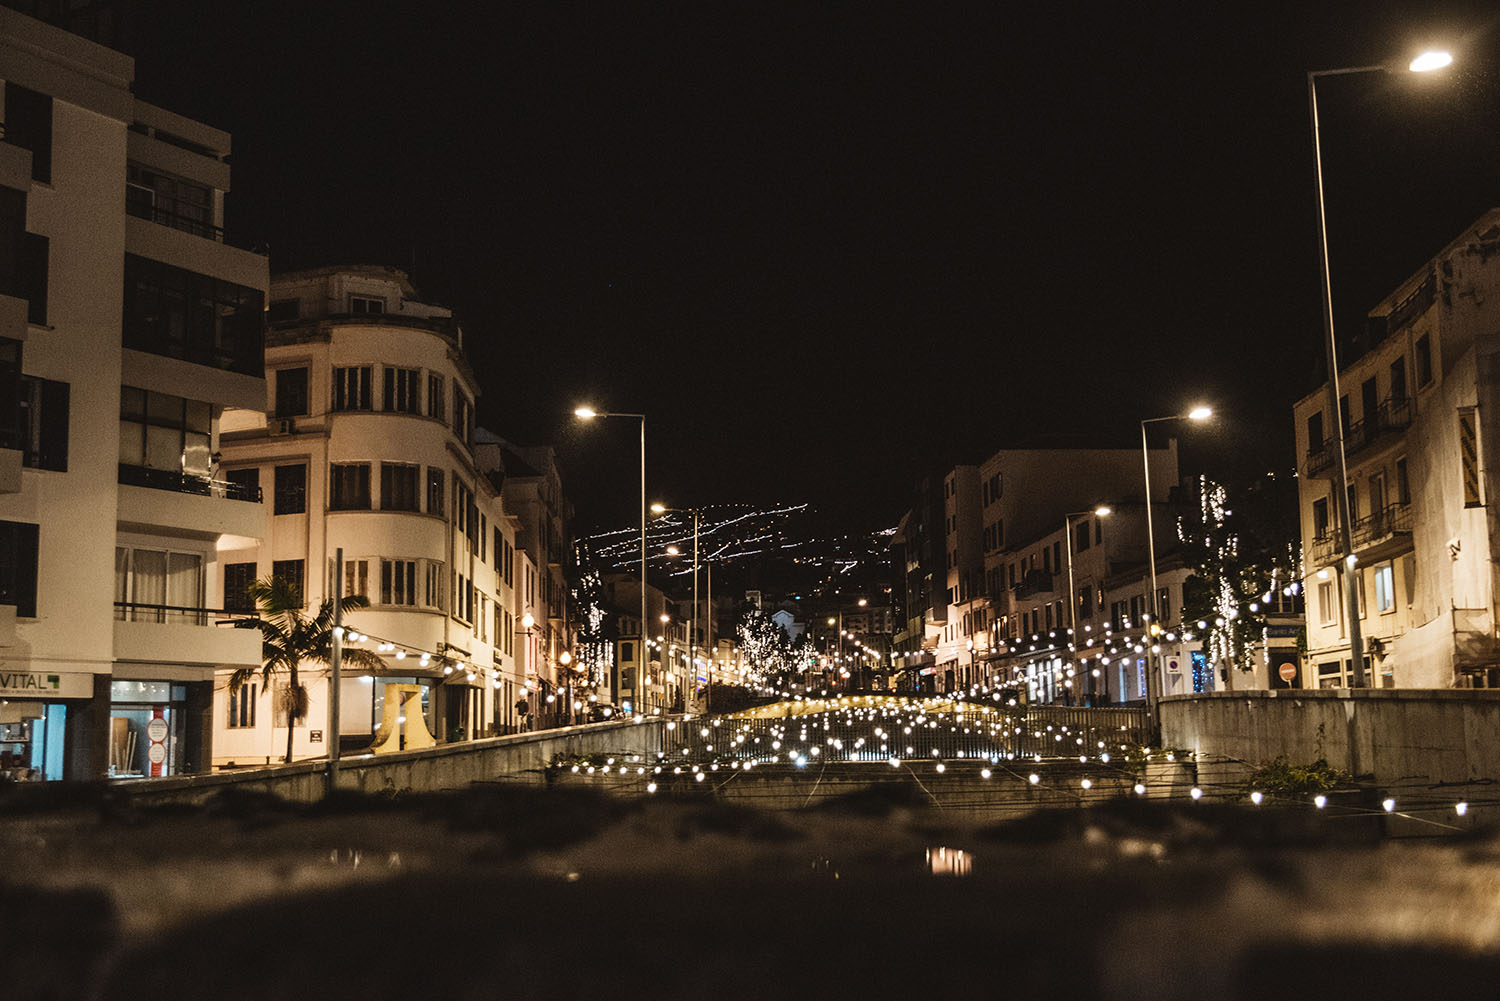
401,730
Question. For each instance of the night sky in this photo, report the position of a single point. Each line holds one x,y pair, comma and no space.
828,247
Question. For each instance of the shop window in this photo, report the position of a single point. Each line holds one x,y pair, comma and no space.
147,720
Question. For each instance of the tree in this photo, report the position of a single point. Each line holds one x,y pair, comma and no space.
764,644
288,638
1244,558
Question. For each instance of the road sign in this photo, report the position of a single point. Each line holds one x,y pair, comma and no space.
1288,672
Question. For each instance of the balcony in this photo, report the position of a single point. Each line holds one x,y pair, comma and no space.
1390,418
194,506
141,203
1035,582
1376,536
170,634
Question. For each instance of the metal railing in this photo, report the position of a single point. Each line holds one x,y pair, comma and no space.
1392,415
187,483
143,208
1393,519
184,615
1006,733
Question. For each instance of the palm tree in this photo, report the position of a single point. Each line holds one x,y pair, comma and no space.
289,637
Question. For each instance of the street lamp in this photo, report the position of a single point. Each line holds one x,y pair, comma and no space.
693,637
1153,672
1102,511
588,413
1424,63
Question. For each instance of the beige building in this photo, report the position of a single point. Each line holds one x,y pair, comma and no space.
127,327
1415,407
364,441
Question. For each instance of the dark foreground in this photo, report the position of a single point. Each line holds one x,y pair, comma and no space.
521,893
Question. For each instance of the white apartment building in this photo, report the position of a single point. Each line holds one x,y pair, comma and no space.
364,441
127,327
1415,408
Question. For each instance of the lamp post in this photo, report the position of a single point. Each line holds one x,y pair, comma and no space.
693,627
1153,665
1101,511
588,413
1424,63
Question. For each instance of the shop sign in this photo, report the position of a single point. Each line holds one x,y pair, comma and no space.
18,684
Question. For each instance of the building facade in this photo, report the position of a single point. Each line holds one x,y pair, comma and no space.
1416,406
365,445
127,328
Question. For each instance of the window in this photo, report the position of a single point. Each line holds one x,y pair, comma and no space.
463,416
18,559
401,390
290,573
1424,360
1328,603
44,423
1320,518
154,585
1468,450
242,706
1398,380
1369,399
510,565
181,314
349,487
484,533
164,432
1164,604
169,200
1315,431
398,582
1344,414
291,392
435,397
1385,587
237,578
366,305
356,578
351,388
1081,536
291,490
436,488
246,482
1085,602
35,254
436,590
398,487
627,650
28,124
1403,485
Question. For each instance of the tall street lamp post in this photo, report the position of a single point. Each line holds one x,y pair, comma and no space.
1426,62
639,695
1101,511
693,636
1153,648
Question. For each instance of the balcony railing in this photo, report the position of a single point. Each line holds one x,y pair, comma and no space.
1391,416
186,483
1035,582
145,208
184,615
1368,532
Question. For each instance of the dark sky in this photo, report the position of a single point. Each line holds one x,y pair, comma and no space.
828,246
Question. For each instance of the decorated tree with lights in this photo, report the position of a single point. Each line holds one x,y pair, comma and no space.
1245,561
593,647
764,644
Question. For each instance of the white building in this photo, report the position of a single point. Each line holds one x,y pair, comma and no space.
1416,406
127,326
364,442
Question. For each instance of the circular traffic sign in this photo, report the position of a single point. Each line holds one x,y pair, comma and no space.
1288,671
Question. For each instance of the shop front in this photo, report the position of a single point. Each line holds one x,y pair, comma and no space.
34,720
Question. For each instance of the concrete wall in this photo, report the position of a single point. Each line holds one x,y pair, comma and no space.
1396,735
518,757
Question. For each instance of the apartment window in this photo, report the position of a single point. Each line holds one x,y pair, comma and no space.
164,432
291,489
1328,602
181,314
289,572
349,486
291,392
18,562
1398,379
161,586
401,390
351,388
242,706
1424,360
435,397
1403,485
1315,431
366,305
1385,587
1081,536
463,416
436,488
44,423
237,578
398,487
357,578
246,482
1320,518
398,582
435,590
1344,413
35,254
169,200
1369,399
1085,602
510,565
1164,604
484,532
28,124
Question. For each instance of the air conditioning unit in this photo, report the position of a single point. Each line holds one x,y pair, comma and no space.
281,425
